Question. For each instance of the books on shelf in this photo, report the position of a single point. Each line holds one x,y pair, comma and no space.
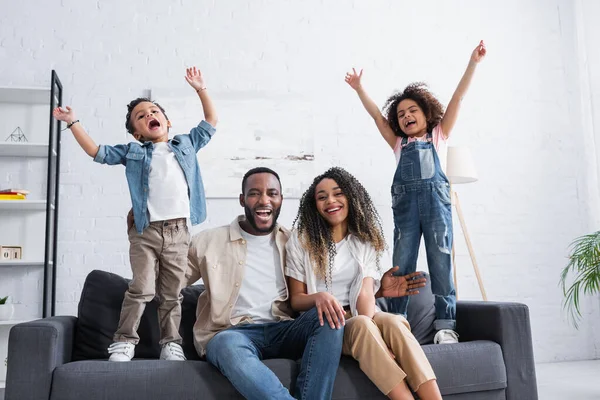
13,194
13,191
12,197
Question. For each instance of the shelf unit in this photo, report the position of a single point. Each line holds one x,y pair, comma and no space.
15,100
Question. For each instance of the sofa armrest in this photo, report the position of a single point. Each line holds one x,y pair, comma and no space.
34,349
508,325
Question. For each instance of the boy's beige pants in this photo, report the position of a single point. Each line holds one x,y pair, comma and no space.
368,340
158,259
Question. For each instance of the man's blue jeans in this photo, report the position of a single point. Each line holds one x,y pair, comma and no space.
237,352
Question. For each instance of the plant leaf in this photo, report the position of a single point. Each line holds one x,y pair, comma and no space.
584,263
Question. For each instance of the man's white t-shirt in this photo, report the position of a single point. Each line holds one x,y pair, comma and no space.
263,280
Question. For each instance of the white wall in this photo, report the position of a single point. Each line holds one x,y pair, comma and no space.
528,117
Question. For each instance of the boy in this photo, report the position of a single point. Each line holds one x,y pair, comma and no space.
166,189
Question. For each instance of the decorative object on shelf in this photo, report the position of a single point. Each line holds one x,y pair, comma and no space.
17,136
6,310
11,253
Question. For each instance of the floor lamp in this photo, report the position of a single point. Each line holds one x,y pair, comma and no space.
461,169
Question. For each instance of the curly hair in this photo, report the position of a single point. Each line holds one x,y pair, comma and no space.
418,92
131,106
315,233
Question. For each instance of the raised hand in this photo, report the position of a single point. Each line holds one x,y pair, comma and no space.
479,52
353,79
64,114
398,286
334,312
194,78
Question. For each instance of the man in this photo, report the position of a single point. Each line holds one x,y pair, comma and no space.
244,316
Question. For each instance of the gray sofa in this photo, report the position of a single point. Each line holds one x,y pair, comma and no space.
64,357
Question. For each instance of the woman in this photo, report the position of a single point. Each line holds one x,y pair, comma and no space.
333,264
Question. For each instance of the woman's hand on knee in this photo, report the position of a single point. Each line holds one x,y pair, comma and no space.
329,306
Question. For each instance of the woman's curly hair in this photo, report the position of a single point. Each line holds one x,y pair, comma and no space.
315,233
418,92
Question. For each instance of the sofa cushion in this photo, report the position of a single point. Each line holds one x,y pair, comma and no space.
420,313
476,366
98,317
152,380
473,367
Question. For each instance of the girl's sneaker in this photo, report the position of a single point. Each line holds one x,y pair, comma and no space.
445,336
121,351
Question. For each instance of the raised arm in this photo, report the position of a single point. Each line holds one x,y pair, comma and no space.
451,113
85,141
365,305
196,80
353,79
323,301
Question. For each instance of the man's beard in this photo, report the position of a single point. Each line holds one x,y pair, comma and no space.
252,221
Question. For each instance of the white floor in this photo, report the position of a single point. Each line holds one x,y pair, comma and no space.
578,380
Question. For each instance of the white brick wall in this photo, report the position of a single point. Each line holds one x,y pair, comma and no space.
528,118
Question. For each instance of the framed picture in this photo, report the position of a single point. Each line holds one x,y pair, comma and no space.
11,252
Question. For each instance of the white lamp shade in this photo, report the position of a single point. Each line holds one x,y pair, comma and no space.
460,167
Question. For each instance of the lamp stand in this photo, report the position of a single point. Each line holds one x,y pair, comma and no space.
456,203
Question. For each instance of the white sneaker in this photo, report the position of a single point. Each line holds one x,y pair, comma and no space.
445,336
172,352
121,351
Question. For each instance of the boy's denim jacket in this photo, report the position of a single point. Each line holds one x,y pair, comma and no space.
137,158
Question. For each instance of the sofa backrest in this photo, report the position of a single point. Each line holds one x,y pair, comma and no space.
100,308
98,317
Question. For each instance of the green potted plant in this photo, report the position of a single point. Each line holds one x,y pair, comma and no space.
584,263
6,310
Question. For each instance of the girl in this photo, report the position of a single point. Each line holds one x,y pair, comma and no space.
416,128
333,265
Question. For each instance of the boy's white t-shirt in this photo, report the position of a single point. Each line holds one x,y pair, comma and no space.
263,280
168,196
439,142
344,272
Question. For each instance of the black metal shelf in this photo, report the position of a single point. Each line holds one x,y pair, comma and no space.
51,151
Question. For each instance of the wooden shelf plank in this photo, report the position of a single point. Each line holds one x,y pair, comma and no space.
15,322
12,149
25,95
29,205
21,263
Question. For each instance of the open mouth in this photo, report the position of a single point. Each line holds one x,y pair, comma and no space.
333,210
409,123
263,214
153,124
